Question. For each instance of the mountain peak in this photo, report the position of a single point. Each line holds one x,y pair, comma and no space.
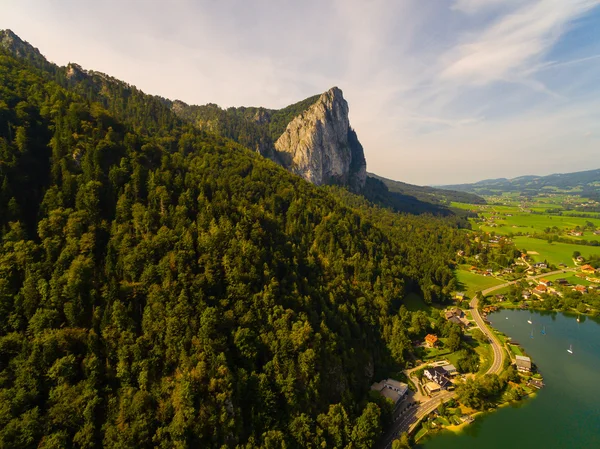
22,49
320,145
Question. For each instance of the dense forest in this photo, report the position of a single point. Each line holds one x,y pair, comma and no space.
163,286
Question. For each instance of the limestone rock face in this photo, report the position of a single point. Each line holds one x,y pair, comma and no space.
320,146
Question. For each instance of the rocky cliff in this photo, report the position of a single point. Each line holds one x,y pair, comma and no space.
320,146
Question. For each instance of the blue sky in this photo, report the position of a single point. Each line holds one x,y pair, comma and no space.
440,91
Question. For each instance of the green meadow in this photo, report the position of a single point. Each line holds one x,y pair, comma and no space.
471,282
530,223
555,253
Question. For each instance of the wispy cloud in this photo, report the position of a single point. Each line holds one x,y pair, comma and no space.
516,41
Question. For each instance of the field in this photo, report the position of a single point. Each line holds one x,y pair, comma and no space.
555,253
516,350
471,282
513,217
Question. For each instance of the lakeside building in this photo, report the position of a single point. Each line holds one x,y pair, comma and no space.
523,363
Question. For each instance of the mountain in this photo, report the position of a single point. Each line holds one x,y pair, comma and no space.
584,183
164,286
429,194
311,138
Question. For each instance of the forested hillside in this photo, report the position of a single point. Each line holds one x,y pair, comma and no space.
161,286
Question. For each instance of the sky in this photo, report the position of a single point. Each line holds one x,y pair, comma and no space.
440,91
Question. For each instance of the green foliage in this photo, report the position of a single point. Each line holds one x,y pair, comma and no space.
480,393
164,287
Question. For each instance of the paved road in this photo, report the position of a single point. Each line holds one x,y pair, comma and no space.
496,367
409,420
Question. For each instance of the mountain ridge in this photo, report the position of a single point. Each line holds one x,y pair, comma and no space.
585,183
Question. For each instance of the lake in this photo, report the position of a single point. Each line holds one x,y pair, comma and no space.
566,413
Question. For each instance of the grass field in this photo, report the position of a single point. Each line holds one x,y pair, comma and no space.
471,282
556,252
526,222
515,350
530,223
571,278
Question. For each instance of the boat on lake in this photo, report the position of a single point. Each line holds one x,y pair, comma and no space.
544,330
529,321
570,350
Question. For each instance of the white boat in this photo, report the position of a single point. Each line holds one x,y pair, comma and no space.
529,321
578,320
570,350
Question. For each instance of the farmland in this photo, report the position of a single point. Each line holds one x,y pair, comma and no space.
471,282
555,253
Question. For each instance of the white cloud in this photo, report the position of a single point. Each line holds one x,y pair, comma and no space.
516,41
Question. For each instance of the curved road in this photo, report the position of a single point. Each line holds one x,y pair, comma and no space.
408,421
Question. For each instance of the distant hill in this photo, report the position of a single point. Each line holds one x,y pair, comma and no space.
427,194
584,183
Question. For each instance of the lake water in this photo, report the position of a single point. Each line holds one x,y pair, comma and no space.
566,413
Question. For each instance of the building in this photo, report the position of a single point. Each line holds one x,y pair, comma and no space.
391,389
562,281
546,282
432,387
580,289
540,265
499,298
431,340
523,363
460,253
540,289
588,269
526,294
438,375
459,296
580,259
450,370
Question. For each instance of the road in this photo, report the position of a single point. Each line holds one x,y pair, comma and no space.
407,421
496,367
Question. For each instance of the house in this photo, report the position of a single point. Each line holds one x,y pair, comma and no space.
450,370
459,296
456,320
431,340
391,389
432,387
562,281
540,288
526,294
523,363
580,289
437,374
546,282
499,298
588,269
540,265
591,279
580,259
460,253
508,271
